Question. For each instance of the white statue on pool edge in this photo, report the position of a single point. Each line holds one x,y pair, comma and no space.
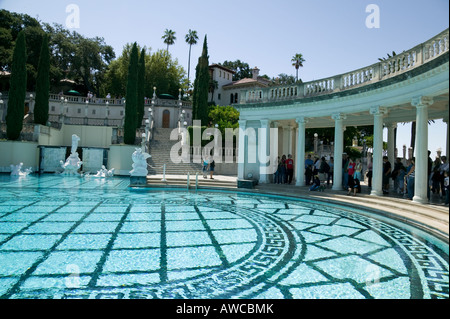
139,158
16,170
73,162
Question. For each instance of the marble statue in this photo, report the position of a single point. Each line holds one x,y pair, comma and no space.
73,162
75,140
139,158
104,172
16,170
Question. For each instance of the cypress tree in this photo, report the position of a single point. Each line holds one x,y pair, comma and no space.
17,90
195,92
131,98
201,86
141,89
42,84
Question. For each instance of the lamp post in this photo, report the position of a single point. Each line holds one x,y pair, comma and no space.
316,142
216,141
30,108
106,113
123,117
183,134
180,120
147,127
63,107
1,108
86,109
154,96
150,122
181,125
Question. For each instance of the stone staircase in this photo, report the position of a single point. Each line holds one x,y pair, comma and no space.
160,147
195,182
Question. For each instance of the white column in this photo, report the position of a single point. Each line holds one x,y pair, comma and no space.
377,168
242,149
391,146
275,142
421,148
447,153
286,136
291,139
338,149
265,129
300,157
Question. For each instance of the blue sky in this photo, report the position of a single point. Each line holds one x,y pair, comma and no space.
331,34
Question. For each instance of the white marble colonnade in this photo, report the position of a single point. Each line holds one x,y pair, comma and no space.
380,120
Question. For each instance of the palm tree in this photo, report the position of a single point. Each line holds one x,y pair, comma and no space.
169,38
298,62
388,57
191,38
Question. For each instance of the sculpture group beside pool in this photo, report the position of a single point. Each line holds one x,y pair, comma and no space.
139,158
104,172
73,162
16,170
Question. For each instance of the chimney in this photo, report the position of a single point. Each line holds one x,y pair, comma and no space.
255,73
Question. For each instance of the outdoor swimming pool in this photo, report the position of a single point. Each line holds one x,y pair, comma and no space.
70,237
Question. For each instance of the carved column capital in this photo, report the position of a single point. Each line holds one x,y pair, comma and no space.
242,124
338,116
301,120
378,110
422,101
264,122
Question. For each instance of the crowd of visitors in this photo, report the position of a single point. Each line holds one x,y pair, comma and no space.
319,174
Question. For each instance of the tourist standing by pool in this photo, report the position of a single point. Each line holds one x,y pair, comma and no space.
308,169
387,168
409,179
330,172
289,168
212,165
358,169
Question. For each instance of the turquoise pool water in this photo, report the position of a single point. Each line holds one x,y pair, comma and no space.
69,237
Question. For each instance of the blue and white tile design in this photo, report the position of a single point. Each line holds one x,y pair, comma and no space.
69,237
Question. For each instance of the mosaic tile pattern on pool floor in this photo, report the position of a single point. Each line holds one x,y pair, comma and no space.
102,240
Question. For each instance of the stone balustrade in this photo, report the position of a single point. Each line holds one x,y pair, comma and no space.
388,68
111,102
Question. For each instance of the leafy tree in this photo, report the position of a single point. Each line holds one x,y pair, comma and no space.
11,24
164,73
201,86
17,90
191,39
224,117
161,71
213,85
297,60
169,38
72,55
42,85
283,79
131,98
84,60
141,89
241,69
